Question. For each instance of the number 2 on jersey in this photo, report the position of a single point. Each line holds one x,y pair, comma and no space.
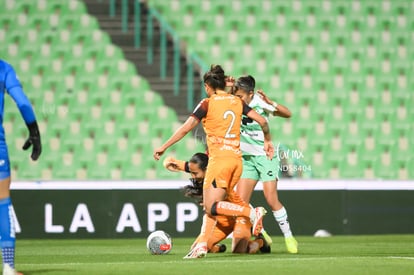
233,117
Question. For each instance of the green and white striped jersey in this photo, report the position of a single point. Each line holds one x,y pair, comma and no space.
251,137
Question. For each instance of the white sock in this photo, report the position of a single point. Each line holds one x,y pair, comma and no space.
281,218
252,214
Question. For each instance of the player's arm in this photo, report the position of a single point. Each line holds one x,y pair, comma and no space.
280,110
175,165
188,125
193,190
230,80
199,112
14,89
268,145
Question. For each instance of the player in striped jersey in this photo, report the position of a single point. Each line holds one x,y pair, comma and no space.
9,83
220,115
256,166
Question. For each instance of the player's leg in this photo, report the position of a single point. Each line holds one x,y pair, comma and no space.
248,179
280,215
264,245
223,228
215,197
231,209
7,230
218,248
278,210
241,235
195,242
212,247
217,180
214,230
216,234
256,224
240,245
219,196
202,232
270,180
246,246
241,239
245,188
199,248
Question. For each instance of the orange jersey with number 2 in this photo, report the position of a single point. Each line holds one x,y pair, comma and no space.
221,116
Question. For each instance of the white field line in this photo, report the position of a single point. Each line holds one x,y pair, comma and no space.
190,261
400,258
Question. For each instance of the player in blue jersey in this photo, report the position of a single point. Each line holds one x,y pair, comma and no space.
256,166
10,83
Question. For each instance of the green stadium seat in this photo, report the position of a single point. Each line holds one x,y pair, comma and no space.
64,171
386,172
39,31
110,50
311,5
73,7
163,173
100,171
337,138
334,163
121,163
11,7
353,98
351,172
30,170
131,173
7,21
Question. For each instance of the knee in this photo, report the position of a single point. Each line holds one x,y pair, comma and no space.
212,209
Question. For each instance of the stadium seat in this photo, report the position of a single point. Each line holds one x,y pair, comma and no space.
339,45
386,172
30,170
62,171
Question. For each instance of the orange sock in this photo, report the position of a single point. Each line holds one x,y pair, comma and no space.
209,224
226,208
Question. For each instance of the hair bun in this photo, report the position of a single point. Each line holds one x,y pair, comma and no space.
217,70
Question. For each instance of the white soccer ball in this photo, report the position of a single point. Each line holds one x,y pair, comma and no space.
159,243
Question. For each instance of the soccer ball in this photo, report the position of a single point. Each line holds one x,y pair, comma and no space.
159,243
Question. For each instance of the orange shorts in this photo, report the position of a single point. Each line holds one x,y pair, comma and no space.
224,173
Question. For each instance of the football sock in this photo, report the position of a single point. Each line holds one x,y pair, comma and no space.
226,208
207,229
281,218
7,234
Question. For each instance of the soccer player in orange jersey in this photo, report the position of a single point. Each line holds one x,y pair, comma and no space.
221,115
224,226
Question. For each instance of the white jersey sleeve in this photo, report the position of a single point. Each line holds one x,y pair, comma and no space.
252,137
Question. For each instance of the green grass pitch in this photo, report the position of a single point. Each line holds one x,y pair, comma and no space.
373,254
